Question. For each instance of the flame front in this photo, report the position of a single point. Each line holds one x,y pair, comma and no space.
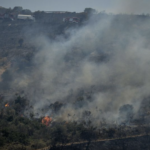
46,120
7,105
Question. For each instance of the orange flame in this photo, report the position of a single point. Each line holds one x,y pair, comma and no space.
46,120
7,105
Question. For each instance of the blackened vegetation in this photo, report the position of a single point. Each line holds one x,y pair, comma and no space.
137,143
55,108
18,129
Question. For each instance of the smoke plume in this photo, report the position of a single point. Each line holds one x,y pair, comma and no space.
95,70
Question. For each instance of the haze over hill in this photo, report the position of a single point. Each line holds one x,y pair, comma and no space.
98,65
71,77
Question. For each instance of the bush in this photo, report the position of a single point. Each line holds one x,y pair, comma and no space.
2,141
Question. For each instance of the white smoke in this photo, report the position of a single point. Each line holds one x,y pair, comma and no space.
64,67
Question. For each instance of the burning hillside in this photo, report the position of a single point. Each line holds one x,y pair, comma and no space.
97,67
92,77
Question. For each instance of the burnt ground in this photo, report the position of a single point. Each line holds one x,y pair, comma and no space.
131,143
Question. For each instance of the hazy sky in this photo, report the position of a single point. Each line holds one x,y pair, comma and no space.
115,6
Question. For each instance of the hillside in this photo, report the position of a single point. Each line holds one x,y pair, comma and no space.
67,82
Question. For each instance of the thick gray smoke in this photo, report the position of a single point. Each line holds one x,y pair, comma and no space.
98,68
131,6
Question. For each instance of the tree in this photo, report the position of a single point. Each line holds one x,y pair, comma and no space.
88,134
2,141
59,135
86,115
6,79
111,133
21,42
90,11
126,113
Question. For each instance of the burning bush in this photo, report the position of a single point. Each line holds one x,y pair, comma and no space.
46,120
7,105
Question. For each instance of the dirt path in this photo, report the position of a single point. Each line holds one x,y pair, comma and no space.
45,148
101,140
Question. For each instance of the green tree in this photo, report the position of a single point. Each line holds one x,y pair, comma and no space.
90,10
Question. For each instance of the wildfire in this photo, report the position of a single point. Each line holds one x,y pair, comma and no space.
7,105
46,120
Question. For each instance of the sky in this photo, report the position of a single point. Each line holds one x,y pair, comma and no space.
113,6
